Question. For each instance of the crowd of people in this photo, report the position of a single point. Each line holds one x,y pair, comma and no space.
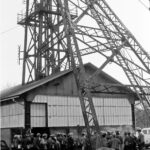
62,141
129,141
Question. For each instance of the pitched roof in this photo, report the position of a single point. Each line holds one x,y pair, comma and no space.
16,91
20,89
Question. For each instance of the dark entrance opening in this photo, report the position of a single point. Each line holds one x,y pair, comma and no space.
40,130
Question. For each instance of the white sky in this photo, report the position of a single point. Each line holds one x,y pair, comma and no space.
131,12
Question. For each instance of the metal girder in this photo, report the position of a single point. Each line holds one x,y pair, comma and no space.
59,33
85,97
115,33
135,75
45,50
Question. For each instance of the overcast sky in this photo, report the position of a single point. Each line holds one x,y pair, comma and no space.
131,12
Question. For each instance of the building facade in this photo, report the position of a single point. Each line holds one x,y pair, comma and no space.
52,105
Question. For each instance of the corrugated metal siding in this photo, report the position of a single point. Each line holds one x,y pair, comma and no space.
6,136
12,115
66,110
38,115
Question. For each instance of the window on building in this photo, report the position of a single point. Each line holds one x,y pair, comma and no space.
145,131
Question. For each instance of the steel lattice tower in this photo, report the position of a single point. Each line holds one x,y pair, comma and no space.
59,33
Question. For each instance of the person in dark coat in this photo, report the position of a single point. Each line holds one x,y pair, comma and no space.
120,138
44,142
16,143
109,137
70,142
125,141
36,142
53,143
140,139
134,141
115,142
129,142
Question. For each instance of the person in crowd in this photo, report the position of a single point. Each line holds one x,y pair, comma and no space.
120,138
125,143
23,141
85,143
64,142
16,143
115,142
54,143
36,142
43,142
31,135
129,142
19,142
93,140
109,137
70,141
50,142
58,146
134,141
27,142
140,139
104,140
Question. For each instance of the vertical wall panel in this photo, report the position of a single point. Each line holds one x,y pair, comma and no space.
12,115
1,110
4,110
38,115
7,110
1,122
63,110
4,120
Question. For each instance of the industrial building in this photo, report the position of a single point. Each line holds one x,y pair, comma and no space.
52,105
59,93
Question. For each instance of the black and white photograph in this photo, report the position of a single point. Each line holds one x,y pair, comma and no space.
74,75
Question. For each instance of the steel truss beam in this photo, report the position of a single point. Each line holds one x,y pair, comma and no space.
45,50
135,75
59,33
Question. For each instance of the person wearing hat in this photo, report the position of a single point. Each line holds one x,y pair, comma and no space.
115,142
53,144
120,138
125,143
27,142
37,141
44,143
140,139
70,141
14,145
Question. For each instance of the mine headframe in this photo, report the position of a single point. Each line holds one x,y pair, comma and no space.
59,33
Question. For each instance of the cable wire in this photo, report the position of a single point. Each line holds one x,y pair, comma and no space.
145,5
10,29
